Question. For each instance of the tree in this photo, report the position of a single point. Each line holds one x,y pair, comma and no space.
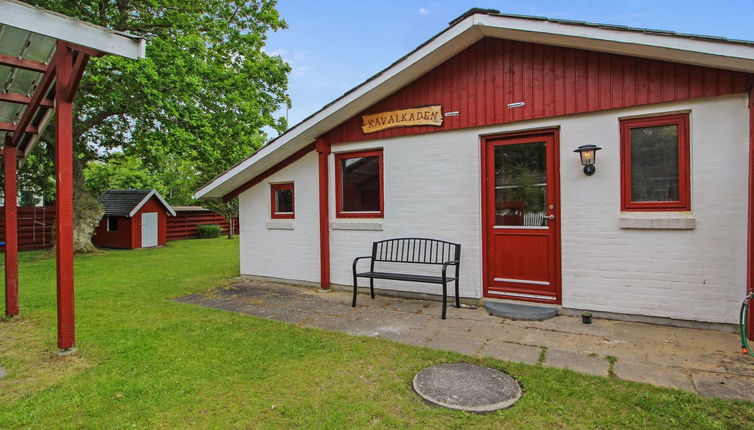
228,210
199,101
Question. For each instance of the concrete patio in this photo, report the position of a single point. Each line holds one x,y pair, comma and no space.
705,362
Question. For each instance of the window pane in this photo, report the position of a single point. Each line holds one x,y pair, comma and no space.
361,184
654,164
284,201
521,184
112,223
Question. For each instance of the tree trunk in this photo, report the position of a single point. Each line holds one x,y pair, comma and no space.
87,211
231,227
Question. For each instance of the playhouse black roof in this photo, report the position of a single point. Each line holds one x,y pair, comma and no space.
126,202
122,202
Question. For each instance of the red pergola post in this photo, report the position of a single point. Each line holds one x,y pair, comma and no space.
64,194
323,149
11,229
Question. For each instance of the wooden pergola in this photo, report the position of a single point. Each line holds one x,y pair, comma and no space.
43,56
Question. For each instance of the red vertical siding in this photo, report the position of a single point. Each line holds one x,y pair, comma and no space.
482,80
120,239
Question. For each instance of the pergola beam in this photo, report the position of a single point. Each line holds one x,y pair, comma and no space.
77,73
34,66
22,99
9,126
34,103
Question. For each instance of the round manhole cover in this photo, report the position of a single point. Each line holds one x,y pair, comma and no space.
467,387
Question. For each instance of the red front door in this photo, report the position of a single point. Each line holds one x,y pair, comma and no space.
521,217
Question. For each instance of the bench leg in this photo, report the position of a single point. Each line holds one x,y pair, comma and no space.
444,298
355,289
458,300
371,286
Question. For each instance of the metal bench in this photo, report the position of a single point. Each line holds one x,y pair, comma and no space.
412,251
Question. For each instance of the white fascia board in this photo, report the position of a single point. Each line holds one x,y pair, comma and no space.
668,47
26,17
444,46
146,199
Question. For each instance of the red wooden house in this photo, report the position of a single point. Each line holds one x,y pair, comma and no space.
133,219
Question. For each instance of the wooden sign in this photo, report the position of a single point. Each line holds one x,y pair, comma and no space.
425,115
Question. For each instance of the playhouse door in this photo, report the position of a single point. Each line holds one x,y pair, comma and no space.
148,229
522,217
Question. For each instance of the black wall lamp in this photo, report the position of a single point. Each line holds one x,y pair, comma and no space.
588,153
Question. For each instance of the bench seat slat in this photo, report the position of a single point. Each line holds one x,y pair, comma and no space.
404,277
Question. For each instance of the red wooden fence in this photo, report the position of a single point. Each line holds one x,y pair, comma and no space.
35,227
184,224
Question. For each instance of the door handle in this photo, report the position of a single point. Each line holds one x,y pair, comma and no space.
549,217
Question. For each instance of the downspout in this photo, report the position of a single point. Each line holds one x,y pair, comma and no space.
323,150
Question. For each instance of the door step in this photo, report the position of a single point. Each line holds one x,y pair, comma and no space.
520,312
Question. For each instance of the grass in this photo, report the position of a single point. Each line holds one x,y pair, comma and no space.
147,361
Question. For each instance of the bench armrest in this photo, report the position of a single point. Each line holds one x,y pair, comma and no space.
448,263
356,260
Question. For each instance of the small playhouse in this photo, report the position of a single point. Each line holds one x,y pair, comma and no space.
133,219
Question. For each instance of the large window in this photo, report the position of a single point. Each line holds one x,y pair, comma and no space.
358,184
282,200
655,163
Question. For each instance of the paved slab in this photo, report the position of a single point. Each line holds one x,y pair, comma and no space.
467,387
706,362
654,374
589,364
511,352
725,386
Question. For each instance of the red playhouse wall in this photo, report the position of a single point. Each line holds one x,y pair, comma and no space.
482,80
120,239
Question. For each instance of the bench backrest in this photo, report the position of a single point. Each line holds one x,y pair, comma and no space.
415,250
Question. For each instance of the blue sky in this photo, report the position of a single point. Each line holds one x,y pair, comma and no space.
333,46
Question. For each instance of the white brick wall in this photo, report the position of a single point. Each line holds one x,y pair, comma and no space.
432,189
291,254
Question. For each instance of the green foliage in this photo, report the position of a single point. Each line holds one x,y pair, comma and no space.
194,106
208,231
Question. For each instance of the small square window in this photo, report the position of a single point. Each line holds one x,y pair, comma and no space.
358,181
112,223
282,200
655,164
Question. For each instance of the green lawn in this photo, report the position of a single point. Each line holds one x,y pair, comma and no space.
149,362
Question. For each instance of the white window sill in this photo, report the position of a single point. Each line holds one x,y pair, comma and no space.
280,225
369,225
659,220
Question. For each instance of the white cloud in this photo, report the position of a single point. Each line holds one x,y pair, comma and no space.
423,11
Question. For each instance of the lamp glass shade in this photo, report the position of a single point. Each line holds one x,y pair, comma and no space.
588,154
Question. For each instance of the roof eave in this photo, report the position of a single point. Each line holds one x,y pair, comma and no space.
61,27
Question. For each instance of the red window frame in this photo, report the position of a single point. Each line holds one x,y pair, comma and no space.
339,212
684,164
274,214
